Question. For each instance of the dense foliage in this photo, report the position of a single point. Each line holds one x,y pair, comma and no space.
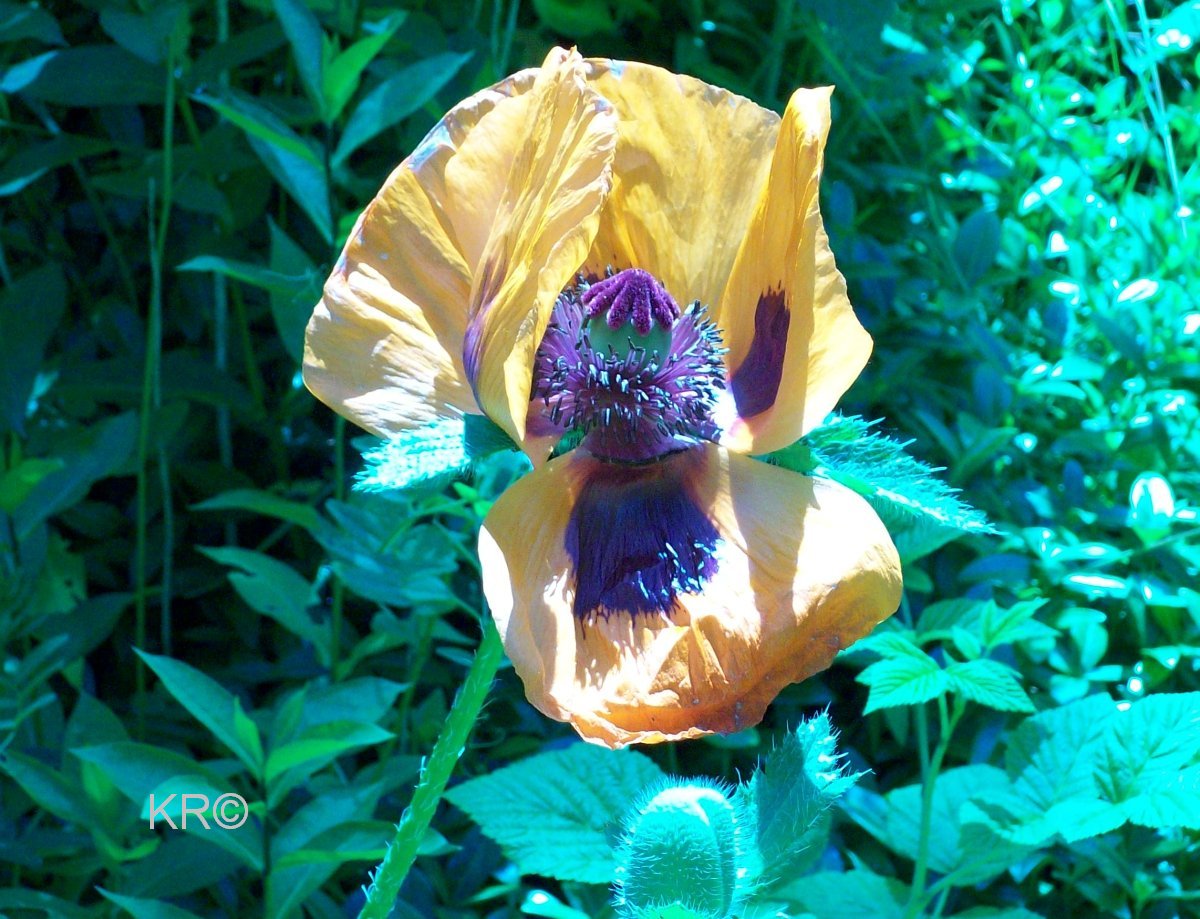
193,598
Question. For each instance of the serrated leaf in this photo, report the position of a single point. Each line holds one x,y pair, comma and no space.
395,98
989,683
788,795
1150,767
846,450
210,703
907,680
551,813
858,894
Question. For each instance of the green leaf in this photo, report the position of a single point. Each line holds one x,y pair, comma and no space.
791,792
301,178
343,72
989,683
274,589
1150,767
243,841
857,894
292,306
148,36
17,482
445,448
308,47
49,788
846,450
21,21
395,98
68,77
263,502
26,165
142,908
258,122
907,680
30,310
576,17
551,812
246,272
210,704
136,769
977,244
323,743
94,454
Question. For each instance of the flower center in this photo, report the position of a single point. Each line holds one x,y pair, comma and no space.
622,364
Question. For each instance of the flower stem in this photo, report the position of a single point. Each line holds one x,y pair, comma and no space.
381,895
948,722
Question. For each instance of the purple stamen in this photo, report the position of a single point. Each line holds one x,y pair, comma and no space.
631,294
635,402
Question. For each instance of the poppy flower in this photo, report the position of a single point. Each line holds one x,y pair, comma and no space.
528,262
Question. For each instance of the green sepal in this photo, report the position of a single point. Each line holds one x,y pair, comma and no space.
921,511
444,449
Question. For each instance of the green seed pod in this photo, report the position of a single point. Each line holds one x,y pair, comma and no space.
682,855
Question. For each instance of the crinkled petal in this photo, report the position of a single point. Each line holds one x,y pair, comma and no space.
541,230
799,569
795,345
690,161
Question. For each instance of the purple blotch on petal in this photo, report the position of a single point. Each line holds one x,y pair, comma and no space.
638,539
755,384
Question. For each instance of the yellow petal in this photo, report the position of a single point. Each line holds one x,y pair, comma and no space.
690,160
541,231
384,346
804,567
794,342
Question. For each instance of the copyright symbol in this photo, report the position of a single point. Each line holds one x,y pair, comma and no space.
230,811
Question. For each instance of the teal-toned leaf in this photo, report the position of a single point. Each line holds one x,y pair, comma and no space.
395,98
30,310
17,482
136,769
246,272
292,306
1150,767
263,502
308,47
988,683
790,793
858,894
95,454
551,812
68,77
977,244
907,680
301,178
242,840
846,450
274,589
22,20
17,900
50,789
1002,625
445,448
29,163
209,703
142,908
345,69
150,35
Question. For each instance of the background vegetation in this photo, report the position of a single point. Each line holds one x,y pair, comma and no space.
192,597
